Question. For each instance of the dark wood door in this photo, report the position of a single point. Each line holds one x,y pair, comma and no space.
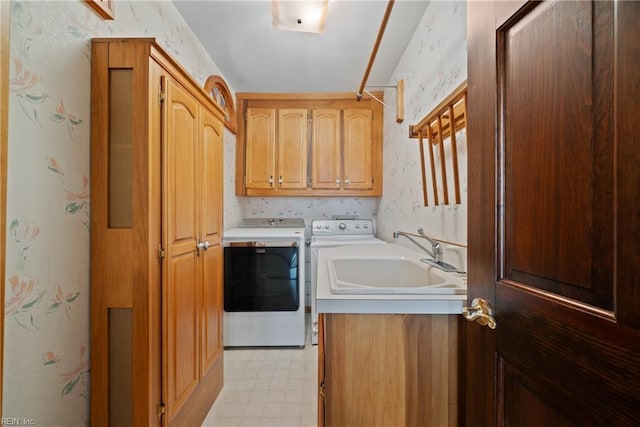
554,212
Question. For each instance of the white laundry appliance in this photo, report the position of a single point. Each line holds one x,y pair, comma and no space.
330,234
264,278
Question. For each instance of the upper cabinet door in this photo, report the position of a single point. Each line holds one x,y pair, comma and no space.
261,148
293,135
357,149
325,141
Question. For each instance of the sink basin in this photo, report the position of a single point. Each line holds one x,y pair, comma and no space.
389,275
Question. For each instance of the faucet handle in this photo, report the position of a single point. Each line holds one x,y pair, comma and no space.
420,231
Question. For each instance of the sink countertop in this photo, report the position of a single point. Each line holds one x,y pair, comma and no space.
329,302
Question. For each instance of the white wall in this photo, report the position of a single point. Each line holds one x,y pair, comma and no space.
434,63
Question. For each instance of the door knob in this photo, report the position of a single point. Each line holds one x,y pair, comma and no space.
480,312
201,246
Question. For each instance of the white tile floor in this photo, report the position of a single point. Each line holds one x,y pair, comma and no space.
268,387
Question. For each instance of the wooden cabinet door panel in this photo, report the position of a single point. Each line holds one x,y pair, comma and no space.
182,280
183,319
261,148
325,143
211,152
211,176
553,237
293,137
212,307
357,149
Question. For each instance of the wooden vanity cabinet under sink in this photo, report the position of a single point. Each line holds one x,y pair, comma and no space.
390,370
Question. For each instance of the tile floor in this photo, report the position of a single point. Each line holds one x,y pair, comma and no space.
268,387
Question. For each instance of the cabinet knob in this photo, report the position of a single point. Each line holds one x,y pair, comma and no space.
280,181
271,181
346,181
337,182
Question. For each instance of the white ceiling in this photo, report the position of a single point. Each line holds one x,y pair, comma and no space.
255,58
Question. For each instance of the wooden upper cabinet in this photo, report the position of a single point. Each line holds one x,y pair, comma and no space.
325,143
357,149
261,148
337,152
293,135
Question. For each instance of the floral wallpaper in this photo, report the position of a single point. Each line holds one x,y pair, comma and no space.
433,64
47,372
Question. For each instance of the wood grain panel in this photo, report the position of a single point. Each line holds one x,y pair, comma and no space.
357,149
293,137
260,148
183,131
183,331
326,149
212,303
576,361
211,176
391,370
183,276
553,185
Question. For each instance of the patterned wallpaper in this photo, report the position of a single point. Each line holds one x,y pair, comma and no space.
434,63
47,372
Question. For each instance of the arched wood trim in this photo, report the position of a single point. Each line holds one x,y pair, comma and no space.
226,103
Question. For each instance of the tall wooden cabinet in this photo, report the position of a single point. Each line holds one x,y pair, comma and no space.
156,257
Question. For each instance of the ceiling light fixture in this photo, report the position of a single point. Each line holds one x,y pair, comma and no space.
299,15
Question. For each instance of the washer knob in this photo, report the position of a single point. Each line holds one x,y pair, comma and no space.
357,225
366,226
326,226
342,226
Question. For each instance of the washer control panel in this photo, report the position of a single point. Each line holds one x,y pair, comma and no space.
340,226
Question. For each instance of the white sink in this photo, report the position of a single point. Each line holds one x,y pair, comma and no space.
374,274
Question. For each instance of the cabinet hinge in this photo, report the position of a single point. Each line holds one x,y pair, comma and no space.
160,252
161,90
161,410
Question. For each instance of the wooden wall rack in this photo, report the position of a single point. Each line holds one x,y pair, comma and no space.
436,128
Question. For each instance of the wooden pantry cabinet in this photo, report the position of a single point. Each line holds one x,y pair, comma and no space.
308,145
390,370
156,256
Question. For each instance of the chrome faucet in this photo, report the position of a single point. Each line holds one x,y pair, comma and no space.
435,253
